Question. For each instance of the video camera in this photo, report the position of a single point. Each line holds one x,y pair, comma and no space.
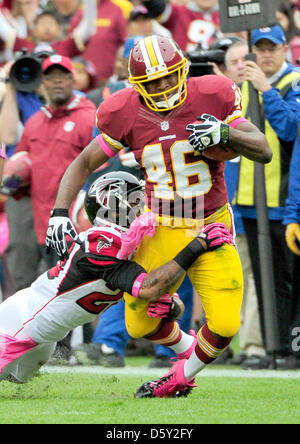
200,61
26,73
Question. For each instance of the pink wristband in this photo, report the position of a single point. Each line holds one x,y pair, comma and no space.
237,121
3,151
137,285
108,151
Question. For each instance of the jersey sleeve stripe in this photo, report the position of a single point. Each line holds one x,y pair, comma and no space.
113,142
236,115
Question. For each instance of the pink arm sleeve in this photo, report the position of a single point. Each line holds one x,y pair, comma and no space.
236,122
108,151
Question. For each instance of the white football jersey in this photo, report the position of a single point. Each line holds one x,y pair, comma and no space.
73,292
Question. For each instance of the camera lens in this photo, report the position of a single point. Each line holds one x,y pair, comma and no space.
26,73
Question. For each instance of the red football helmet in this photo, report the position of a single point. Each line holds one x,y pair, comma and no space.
155,57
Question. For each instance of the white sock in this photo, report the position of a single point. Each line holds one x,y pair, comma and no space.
192,366
184,343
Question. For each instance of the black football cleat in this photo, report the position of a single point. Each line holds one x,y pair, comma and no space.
145,390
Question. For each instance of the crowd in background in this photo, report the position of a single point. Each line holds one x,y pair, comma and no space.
93,40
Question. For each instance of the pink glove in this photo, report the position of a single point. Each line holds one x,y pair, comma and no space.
162,307
215,235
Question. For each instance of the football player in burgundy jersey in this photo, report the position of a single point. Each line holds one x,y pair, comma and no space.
169,121
93,278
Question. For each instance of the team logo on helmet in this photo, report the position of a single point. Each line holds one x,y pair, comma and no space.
115,199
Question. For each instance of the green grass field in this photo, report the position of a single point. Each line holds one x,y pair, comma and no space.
96,395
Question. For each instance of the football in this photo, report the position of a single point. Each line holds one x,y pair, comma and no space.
18,164
220,153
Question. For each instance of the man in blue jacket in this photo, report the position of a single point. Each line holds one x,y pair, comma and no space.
292,234
277,84
292,211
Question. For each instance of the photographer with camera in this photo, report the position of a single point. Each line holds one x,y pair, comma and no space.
24,96
52,138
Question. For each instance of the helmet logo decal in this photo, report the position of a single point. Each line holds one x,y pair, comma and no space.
116,199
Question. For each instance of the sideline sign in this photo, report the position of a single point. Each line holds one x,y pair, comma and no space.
245,15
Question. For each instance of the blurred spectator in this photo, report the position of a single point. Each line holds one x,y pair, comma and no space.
69,119
53,137
274,79
224,44
21,15
292,215
141,23
22,254
292,233
111,31
84,74
284,14
47,29
295,4
235,61
64,11
119,79
195,24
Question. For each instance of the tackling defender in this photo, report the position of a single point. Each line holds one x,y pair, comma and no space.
93,278
185,189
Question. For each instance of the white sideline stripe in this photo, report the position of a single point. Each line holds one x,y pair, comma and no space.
146,372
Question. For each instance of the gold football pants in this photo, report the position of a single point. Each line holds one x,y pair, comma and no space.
216,276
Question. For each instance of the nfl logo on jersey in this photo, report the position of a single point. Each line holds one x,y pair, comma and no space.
165,125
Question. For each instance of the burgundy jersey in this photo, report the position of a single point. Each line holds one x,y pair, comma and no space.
190,28
179,181
103,45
